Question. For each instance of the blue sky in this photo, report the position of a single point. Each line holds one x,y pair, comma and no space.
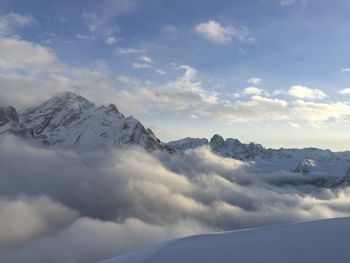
271,71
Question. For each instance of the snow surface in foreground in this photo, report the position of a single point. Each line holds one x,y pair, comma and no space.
312,242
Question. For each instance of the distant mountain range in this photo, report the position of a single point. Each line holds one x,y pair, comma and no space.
70,121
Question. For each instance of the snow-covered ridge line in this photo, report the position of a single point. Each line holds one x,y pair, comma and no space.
310,242
325,166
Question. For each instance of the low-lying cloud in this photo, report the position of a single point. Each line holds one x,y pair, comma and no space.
65,206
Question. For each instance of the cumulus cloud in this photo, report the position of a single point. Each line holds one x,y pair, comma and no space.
10,22
252,91
256,109
320,112
303,92
84,207
217,33
20,54
184,94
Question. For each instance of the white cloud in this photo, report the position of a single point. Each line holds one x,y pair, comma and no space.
254,81
303,92
345,69
110,40
215,32
85,37
252,91
345,91
146,59
290,2
287,2
11,21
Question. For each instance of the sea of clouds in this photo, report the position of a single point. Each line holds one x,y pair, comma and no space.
66,206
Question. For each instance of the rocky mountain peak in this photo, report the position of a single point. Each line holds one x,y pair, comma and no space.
217,142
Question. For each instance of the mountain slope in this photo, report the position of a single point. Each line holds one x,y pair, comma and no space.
323,241
71,121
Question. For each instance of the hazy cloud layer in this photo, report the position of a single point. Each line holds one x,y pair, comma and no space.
86,207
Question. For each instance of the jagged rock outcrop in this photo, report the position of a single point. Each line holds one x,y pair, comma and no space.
9,122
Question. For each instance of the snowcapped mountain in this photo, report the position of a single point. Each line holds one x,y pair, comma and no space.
68,120
324,166
312,242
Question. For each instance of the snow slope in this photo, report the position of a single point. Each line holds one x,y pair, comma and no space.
324,241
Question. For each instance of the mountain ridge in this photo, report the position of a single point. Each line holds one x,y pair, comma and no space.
70,121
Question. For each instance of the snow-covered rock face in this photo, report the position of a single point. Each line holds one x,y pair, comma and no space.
68,120
305,166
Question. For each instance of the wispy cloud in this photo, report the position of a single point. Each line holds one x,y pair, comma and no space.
110,40
254,81
144,62
126,51
10,22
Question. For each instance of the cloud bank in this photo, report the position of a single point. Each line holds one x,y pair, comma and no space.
76,207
